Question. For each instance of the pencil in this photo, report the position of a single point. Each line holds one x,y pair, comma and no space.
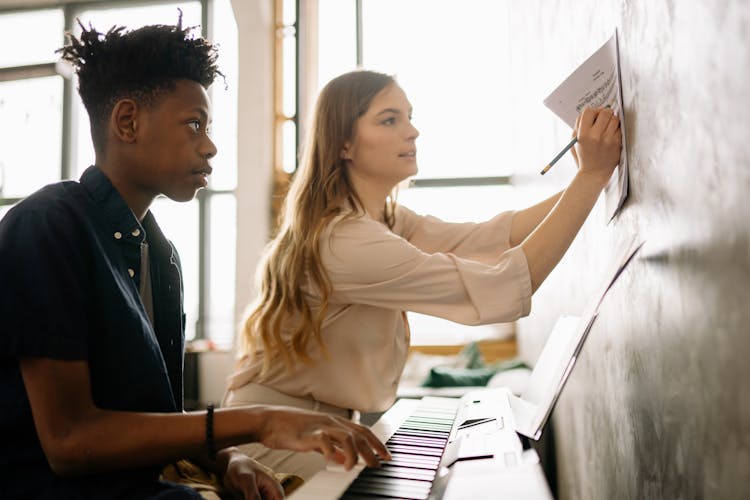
559,155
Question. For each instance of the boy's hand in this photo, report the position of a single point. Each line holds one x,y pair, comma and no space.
336,438
248,480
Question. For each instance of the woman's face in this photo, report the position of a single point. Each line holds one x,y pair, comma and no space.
384,149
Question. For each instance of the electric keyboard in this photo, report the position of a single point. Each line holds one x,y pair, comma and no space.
441,448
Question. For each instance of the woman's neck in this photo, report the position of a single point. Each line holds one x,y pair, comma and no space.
372,196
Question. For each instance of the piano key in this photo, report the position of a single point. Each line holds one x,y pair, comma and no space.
427,443
406,484
439,431
428,422
431,419
394,488
421,462
415,450
417,432
402,473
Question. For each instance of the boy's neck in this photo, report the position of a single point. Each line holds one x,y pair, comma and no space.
138,201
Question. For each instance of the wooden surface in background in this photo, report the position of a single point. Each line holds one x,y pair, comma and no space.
492,350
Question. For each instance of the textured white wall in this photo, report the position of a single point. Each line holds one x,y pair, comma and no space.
658,405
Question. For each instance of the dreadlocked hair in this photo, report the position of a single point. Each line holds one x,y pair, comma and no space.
141,64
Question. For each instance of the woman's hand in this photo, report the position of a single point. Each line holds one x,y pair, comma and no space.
599,142
336,438
248,480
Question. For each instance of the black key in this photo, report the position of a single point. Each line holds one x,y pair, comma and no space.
401,473
415,450
395,488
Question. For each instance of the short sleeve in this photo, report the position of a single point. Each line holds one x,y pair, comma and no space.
483,241
43,275
369,264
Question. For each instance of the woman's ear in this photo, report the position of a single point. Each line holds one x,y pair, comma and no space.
346,151
123,120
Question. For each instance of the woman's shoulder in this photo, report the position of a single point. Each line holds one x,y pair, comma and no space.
352,221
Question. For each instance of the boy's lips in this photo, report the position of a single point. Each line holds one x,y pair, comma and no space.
203,171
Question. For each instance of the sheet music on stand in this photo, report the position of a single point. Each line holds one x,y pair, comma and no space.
534,407
596,83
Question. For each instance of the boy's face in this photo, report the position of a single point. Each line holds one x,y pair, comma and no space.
174,149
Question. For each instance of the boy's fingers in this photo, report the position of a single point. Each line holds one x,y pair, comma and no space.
372,440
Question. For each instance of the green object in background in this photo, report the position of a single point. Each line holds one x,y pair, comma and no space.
475,372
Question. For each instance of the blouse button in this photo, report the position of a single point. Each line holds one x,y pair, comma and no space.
118,235
136,232
131,272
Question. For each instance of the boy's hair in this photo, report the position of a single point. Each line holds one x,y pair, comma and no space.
141,65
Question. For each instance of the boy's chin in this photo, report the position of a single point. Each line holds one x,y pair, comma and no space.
182,196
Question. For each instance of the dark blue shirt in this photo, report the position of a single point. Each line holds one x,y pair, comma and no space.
69,289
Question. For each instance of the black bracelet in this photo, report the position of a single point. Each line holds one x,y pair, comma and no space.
210,444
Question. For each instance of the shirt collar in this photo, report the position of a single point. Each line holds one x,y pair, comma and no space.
123,223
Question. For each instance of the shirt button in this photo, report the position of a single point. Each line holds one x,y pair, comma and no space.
131,272
118,235
136,232
171,343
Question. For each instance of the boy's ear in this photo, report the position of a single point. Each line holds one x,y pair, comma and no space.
124,120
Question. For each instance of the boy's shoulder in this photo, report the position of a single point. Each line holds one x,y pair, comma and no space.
53,195
60,204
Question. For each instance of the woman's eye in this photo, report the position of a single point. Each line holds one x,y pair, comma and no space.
389,121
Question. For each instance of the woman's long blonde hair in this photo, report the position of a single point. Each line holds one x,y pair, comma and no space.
320,190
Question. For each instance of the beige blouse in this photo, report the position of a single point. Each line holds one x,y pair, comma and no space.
461,272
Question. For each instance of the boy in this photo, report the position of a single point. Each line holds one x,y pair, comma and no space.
91,348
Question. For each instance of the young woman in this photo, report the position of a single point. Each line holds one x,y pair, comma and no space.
328,330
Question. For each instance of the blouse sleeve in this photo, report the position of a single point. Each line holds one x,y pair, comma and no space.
369,264
483,241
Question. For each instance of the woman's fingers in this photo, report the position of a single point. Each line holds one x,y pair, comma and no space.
601,121
612,126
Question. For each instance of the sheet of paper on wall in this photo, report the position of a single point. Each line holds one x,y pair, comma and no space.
597,83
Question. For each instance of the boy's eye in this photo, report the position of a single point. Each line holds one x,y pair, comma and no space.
195,125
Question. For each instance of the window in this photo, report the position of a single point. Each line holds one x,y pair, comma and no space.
28,123
41,107
452,59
